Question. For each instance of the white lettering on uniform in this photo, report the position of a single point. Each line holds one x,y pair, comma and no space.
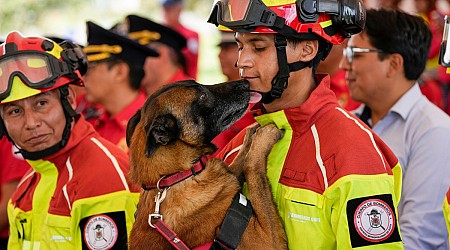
302,218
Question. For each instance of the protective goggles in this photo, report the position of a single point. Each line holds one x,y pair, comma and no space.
349,52
38,70
243,15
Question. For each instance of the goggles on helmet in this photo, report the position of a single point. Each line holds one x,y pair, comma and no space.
333,20
38,70
243,15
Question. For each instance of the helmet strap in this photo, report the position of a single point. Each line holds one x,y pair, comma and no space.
280,81
69,113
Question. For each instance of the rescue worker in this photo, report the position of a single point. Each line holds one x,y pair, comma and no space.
78,179
170,65
329,171
113,80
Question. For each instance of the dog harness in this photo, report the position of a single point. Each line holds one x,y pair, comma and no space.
233,225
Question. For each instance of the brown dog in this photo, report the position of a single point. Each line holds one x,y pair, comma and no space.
171,132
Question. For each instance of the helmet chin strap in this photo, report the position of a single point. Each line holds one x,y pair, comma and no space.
280,81
69,113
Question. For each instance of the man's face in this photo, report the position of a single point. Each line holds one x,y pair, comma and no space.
98,81
35,123
257,59
228,56
366,74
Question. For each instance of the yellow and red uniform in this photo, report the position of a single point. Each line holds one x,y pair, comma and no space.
335,182
77,198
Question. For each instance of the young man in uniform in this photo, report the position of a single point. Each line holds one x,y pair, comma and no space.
382,71
335,183
76,196
113,80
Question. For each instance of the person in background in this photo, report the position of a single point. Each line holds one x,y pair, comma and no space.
172,10
228,55
338,84
12,168
169,66
113,80
335,182
382,71
77,195
430,83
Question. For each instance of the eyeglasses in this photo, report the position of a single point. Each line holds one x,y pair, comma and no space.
36,69
349,52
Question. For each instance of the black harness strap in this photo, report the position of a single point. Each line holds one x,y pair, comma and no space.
234,224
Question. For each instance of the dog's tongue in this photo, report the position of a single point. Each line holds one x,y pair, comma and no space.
254,97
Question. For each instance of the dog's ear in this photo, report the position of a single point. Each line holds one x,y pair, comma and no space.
134,120
163,129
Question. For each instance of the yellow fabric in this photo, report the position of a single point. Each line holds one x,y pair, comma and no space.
299,206
50,231
446,209
277,2
62,232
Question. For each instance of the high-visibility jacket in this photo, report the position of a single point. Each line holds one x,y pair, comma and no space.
335,183
77,198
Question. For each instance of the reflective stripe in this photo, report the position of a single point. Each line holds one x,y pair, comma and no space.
114,162
367,131
318,157
70,171
234,150
26,177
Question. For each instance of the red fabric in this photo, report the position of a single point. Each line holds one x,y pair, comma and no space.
339,86
191,51
433,92
113,128
205,246
223,138
88,162
341,157
12,168
180,76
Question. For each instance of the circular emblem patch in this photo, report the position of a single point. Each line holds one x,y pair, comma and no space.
100,232
374,220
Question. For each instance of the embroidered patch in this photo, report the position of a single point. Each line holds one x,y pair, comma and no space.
371,220
100,232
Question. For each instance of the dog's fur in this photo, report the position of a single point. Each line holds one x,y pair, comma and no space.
172,130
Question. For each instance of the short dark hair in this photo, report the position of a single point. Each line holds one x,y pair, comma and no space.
395,31
135,75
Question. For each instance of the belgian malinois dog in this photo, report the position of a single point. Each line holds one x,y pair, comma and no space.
171,133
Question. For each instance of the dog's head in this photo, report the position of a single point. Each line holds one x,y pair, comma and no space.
182,118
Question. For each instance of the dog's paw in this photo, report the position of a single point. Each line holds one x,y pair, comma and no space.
265,137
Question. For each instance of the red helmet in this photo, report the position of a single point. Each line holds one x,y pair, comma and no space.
33,65
332,20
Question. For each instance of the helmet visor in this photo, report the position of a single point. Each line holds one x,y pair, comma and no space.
242,15
36,69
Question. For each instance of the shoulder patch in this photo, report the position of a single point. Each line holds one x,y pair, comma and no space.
372,220
104,231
